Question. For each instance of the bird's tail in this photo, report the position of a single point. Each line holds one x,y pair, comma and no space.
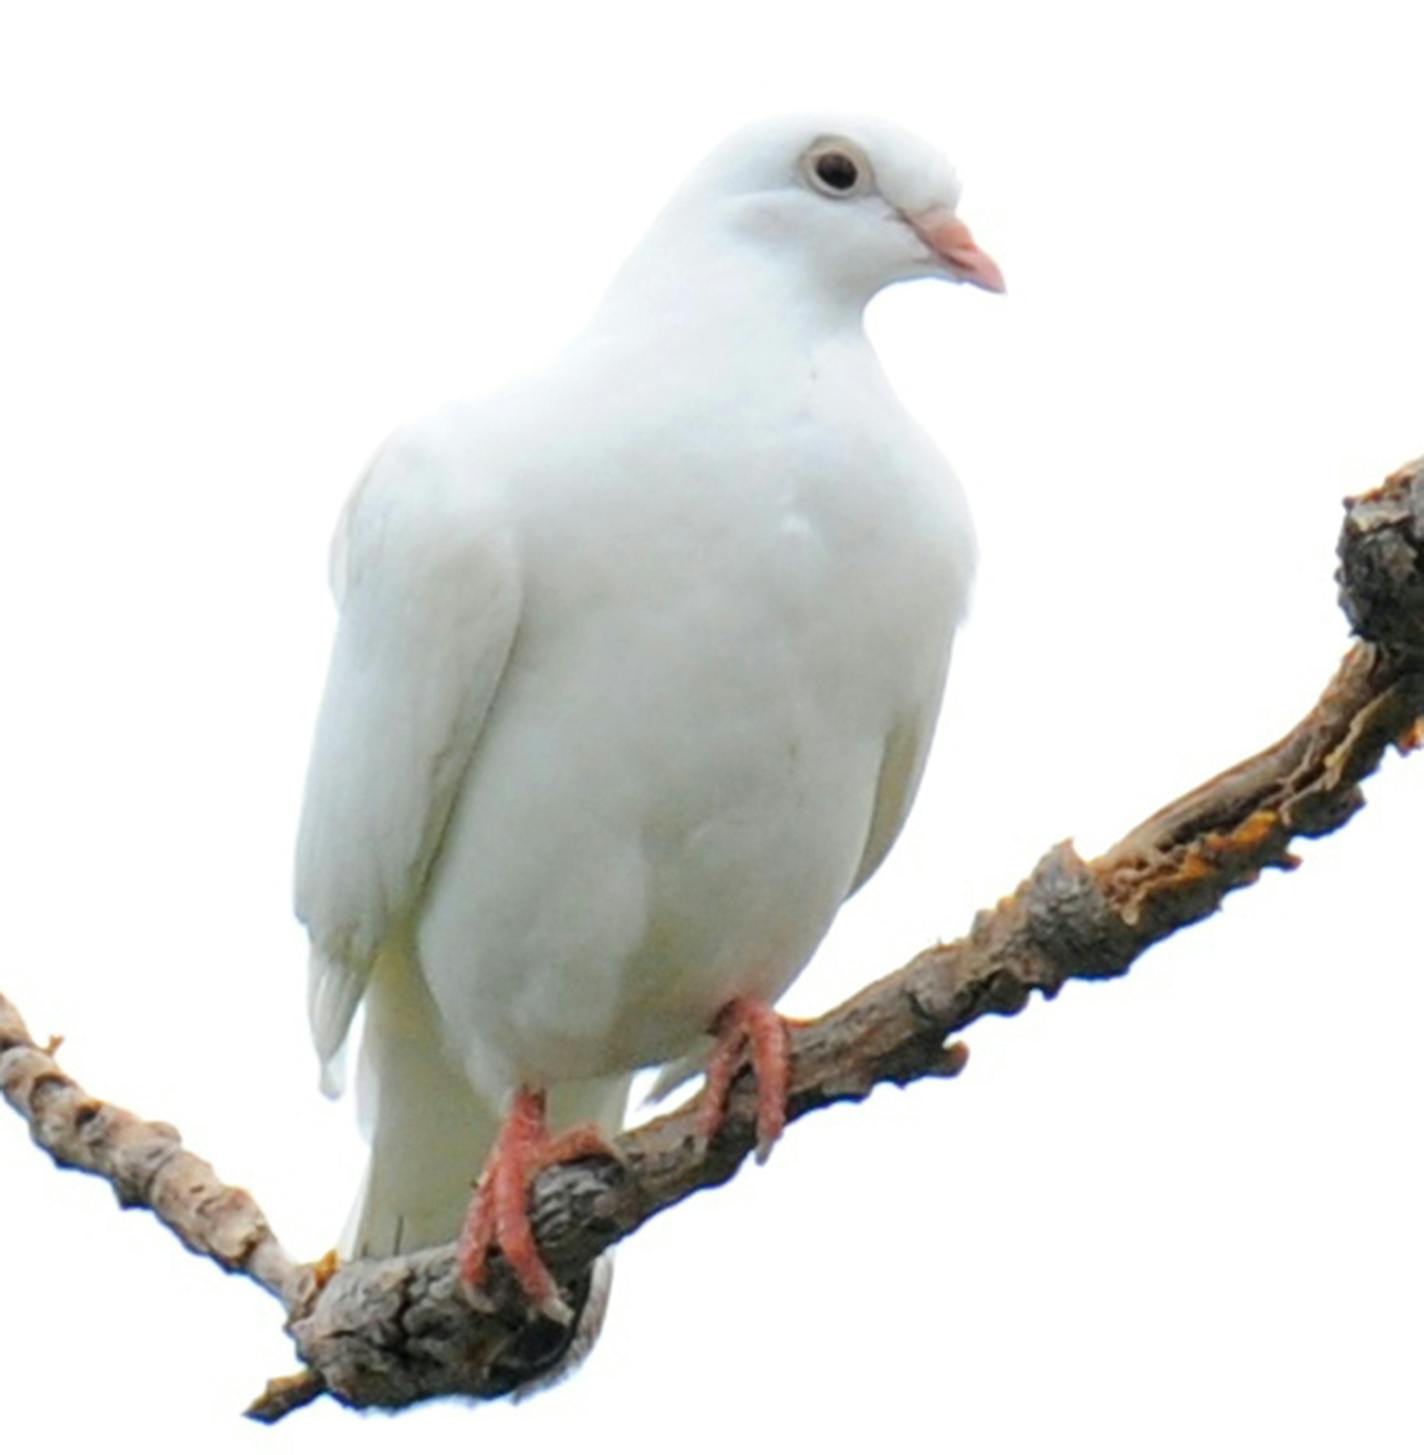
430,1131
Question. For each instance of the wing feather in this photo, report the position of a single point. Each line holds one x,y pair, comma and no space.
429,593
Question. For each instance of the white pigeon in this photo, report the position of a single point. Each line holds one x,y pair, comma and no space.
637,668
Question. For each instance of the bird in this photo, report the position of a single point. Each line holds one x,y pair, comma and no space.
637,664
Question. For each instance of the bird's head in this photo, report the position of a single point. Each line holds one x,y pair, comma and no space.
857,202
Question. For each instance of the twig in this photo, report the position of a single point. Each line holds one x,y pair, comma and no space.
145,1163
398,1330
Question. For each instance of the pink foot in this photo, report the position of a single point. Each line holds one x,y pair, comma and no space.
499,1213
753,1024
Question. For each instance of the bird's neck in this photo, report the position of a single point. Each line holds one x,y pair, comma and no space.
702,288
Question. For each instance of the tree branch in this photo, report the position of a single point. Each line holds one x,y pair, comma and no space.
394,1331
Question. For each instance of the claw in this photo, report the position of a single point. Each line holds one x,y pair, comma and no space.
499,1212
753,1024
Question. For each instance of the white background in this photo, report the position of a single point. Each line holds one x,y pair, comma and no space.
1176,1212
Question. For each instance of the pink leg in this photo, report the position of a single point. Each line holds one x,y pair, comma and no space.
499,1213
740,1025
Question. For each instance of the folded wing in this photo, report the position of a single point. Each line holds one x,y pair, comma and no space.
424,573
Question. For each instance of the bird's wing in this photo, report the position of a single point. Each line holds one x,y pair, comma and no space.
429,592
901,767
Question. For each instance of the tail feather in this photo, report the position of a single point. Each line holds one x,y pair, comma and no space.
430,1131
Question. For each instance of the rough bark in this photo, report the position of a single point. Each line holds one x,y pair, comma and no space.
391,1332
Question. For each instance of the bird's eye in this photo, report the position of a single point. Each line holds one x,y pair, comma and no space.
838,171
836,168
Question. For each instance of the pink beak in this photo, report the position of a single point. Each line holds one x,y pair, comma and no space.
946,235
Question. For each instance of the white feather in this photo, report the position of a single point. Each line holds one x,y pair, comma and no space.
429,1130
430,604
637,669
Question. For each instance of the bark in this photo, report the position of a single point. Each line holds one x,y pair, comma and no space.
391,1332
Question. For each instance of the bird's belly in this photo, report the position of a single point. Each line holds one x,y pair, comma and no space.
606,887
674,789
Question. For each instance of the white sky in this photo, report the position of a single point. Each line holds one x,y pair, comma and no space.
1177,1212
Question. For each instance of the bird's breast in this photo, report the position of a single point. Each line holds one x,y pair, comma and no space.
674,787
